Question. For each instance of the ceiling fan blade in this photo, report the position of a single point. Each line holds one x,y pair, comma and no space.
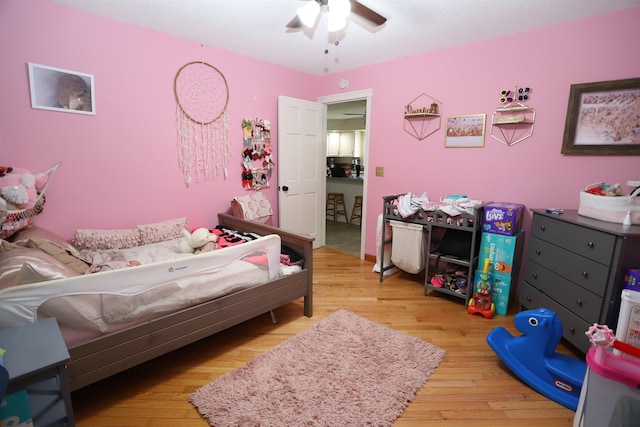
295,23
368,14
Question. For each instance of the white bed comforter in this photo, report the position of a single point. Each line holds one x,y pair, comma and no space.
166,281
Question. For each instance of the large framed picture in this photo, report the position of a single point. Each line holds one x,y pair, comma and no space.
603,118
465,131
61,90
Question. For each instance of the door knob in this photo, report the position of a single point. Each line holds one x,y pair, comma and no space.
285,188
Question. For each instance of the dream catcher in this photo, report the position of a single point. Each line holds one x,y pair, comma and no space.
202,96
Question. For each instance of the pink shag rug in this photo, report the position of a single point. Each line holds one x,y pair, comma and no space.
343,371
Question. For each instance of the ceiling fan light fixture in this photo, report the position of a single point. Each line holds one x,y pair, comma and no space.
335,24
340,9
309,13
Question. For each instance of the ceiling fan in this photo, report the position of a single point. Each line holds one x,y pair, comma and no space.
337,13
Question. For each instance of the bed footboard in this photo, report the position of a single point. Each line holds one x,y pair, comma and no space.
103,356
303,244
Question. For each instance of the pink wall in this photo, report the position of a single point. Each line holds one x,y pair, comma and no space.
120,169
467,80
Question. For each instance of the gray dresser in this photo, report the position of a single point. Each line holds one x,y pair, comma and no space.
575,266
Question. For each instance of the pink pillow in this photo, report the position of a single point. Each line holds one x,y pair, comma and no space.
162,231
39,238
105,239
19,266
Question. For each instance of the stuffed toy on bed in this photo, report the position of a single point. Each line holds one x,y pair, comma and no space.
201,240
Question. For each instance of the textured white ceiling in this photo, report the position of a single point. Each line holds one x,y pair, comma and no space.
256,28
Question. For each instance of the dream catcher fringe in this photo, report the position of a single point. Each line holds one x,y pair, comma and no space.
202,96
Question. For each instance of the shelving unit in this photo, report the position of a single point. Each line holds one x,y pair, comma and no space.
421,121
514,123
469,223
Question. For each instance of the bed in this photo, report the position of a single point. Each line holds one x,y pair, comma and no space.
101,353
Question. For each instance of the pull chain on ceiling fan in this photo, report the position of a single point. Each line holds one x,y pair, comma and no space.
337,13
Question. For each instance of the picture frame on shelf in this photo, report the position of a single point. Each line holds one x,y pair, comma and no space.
465,131
57,89
603,118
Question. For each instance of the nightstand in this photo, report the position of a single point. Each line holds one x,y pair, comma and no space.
36,358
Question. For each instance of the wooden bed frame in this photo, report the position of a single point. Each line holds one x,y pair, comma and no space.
109,354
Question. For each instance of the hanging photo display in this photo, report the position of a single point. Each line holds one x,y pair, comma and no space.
257,161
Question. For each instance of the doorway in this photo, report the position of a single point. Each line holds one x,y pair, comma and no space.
346,170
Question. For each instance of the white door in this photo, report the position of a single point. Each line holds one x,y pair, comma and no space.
367,95
301,166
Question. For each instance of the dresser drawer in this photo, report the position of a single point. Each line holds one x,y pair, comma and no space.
585,304
573,327
582,271
587,242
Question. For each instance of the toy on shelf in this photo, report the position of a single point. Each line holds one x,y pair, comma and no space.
481,301
532,356
603,189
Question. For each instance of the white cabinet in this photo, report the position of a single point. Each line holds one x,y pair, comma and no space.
358,149
333,144
347,141
340,144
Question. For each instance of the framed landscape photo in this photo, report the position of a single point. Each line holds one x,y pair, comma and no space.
603,118
465,131
61,90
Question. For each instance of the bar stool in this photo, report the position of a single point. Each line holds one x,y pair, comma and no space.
335,206
356,212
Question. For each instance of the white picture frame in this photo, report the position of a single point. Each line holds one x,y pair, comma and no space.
465,131
52,88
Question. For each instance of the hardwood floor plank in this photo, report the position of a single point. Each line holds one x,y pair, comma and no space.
471,387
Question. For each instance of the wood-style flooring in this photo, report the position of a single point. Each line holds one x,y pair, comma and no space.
471,388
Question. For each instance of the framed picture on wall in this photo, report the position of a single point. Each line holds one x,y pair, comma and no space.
465,131
61,90
603,118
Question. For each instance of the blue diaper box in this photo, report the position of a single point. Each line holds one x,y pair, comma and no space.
15,410
502,218
502,293
632,279
504,252
501,290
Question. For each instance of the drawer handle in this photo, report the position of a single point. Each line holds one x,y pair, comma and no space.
572,330
591,245
579,302
535,275
585,274
542,228
528,299
538,252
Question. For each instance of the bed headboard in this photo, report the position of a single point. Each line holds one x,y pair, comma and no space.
302,243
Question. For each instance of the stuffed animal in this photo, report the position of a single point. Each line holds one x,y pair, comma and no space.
209,246
3,209
198,240
20,188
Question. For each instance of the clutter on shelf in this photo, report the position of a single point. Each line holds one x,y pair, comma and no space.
607,203
439,236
